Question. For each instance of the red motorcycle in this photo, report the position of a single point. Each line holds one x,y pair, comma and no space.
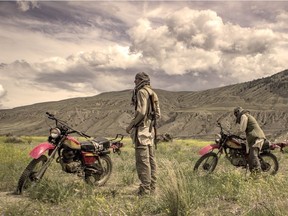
89,159
236,151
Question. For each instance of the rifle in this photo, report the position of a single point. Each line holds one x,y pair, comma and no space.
153,121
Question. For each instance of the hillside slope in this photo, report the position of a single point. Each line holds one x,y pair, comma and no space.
184,114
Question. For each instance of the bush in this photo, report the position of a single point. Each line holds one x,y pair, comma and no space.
13,139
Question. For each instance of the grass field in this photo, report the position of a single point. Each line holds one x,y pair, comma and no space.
228,191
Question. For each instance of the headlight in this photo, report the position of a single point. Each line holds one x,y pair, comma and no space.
217,138
55,132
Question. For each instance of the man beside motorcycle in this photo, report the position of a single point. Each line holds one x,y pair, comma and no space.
142,130
254,135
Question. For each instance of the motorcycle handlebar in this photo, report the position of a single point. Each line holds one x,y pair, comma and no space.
238,137
119,135
51,116
83,134
117,144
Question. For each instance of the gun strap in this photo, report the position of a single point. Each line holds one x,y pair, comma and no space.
151,100
153,121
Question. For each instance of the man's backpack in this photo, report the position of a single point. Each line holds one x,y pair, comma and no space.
155,112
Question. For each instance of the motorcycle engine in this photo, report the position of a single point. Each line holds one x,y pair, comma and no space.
236,158
69,161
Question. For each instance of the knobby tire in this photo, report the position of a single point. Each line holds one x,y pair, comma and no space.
275,164
28,173
202,164
100,180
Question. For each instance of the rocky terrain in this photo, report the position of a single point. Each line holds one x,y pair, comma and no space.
184,114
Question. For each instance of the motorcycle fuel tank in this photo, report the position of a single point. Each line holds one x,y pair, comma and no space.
234,143
72,143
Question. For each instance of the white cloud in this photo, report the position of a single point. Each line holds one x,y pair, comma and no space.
2,91
186,41
24,5
112,57
190,40
195,28
84,73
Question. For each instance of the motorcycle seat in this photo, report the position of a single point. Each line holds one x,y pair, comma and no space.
96,144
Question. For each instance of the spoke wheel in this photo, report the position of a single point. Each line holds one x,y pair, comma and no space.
206,164
27,179
98,175
269,163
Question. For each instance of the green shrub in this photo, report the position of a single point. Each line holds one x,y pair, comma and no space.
13,139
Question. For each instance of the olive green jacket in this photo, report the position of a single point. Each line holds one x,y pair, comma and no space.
143,104
253,130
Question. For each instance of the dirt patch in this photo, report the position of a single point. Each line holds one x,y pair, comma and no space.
10,198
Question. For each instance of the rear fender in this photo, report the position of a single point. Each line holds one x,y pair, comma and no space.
208,148
41,149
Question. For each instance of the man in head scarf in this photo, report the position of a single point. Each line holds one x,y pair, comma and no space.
254,135
142,134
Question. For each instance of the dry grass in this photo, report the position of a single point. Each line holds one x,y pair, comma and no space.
180,192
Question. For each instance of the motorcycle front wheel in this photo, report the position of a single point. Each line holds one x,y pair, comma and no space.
269,163
206,163
99,173
27,178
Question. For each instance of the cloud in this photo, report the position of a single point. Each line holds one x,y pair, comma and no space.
24,5
74,49
56,29
2,91
190,41
80,73
280,24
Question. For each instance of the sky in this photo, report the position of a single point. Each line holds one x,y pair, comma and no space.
54,50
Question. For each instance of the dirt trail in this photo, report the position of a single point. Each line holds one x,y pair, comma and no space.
10,198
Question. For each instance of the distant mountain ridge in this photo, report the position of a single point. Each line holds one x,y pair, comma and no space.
184,114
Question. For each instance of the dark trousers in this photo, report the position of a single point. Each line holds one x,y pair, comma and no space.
253,160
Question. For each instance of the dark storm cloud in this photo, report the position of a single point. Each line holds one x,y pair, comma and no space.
58,18
70,18
96,77
66,79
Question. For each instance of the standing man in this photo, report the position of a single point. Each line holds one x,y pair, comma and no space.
142,129
254,135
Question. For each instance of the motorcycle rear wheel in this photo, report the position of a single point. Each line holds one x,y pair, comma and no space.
206,164
98,174
269,163
27,178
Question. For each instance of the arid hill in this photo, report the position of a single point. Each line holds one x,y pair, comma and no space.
184,114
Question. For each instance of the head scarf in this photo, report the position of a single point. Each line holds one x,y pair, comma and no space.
145,80
238,112
142,76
